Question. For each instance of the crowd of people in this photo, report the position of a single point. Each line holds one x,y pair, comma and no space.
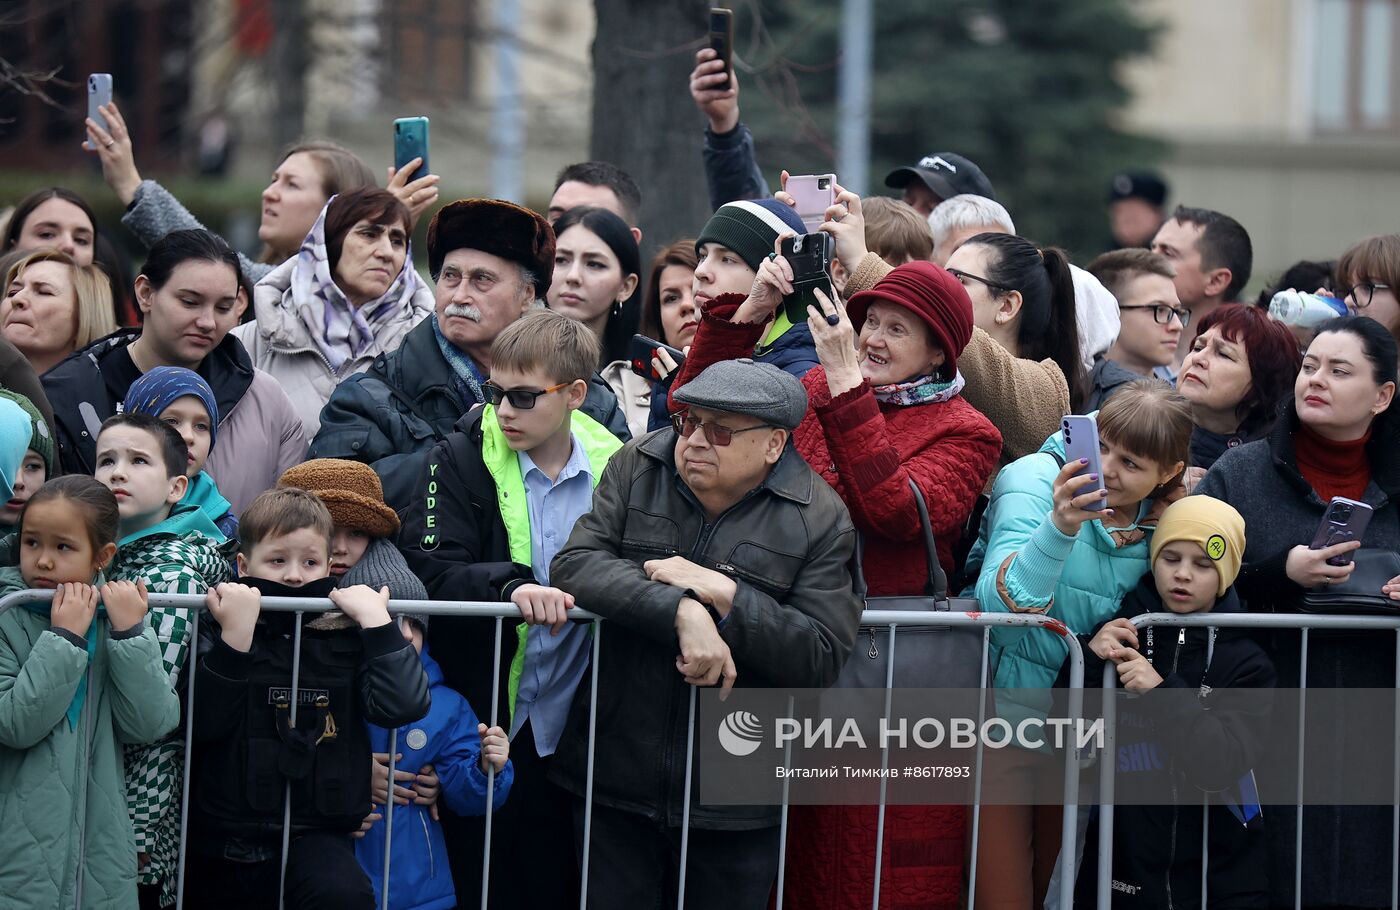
323,422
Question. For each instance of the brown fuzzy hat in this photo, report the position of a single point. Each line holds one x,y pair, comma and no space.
351,491
497,227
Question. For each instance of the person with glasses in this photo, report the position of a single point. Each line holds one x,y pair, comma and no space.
491,261
717,556
496,500
1368,276
884,408
1151,320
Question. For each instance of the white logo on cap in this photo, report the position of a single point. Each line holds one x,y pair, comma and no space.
934,162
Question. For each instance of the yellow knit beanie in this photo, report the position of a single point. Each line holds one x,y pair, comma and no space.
1215,526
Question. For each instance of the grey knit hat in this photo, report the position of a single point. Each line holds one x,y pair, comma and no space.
384,565
744,387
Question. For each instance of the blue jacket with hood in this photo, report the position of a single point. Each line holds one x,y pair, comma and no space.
447,739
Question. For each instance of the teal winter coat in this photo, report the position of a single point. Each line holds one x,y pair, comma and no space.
1079,580
68,838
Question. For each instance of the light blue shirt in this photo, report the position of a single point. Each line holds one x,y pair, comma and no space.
554,664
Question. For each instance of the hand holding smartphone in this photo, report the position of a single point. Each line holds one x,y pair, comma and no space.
810,259
1082,443
99,92
411,141
644,350
812,195
1344,520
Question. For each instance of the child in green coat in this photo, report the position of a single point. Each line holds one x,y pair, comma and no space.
78,678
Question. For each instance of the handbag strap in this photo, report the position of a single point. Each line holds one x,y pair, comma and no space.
936,582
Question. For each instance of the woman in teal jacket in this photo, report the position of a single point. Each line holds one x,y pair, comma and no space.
77,681
1041,551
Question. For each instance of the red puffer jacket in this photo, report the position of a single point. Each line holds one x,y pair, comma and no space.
868,451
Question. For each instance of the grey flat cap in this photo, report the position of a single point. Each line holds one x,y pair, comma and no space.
743,387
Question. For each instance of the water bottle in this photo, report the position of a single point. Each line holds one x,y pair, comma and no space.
1306,311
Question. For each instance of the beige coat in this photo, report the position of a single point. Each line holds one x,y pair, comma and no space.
633,395
1022,398
280,344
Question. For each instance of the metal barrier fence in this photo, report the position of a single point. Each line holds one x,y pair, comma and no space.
892,620
1303,622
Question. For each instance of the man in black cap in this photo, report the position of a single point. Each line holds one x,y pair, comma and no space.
1136,207
725,489
492,261
939,176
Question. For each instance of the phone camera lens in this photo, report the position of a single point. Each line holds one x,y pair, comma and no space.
1343,514
824,184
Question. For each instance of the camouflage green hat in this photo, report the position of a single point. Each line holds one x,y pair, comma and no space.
42,440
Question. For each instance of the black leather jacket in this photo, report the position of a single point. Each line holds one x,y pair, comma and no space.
787,544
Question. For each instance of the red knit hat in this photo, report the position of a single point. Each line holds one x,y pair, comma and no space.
929,292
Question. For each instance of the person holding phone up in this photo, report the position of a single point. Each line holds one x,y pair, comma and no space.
884,408
1338,436
308,174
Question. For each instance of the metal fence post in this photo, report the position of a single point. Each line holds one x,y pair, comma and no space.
389,819
490,768
783,829
685,811
190,665
884,764
287,791
597,630
977,772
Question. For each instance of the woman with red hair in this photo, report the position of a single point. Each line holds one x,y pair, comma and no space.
1240,370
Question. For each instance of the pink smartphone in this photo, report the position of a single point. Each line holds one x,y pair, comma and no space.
1345,519
814,194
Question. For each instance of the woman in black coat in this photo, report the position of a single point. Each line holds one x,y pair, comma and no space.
1339,436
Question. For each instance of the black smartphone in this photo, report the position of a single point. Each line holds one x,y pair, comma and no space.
411,141
1345,519
722,41
641,352
810,258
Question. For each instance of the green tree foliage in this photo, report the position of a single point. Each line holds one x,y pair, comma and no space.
1031,90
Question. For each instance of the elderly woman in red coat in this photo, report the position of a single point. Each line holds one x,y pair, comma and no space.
883,407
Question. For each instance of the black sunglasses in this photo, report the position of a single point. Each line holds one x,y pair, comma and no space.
520,399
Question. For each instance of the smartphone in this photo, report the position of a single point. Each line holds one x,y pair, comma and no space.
1082,442
411,141
814,194
641,352
1345,519
722,41
810,258
99,87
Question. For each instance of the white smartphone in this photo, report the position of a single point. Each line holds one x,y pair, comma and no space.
1082,442
99,86
814,194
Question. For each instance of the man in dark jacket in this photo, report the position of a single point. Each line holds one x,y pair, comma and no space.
716,542
491,260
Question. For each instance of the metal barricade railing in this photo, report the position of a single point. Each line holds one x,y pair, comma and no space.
893,620
1305,623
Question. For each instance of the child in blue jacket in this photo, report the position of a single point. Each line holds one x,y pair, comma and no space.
458,748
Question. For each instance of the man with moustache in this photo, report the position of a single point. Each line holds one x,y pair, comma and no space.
491,261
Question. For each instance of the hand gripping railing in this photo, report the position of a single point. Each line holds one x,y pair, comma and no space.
893,620
1303,622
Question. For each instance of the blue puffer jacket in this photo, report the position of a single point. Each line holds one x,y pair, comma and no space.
448,740
793,352
1079,580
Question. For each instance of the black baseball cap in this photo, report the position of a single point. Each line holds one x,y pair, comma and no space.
946,174
1144,185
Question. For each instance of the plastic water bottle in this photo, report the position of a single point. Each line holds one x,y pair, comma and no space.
1307,311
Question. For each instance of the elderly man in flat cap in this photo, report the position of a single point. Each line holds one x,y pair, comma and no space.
492,261
714,539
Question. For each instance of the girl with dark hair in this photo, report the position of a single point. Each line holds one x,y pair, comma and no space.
1339,435
190,294
350,294
308,174
597,270
1241,367
82,677
53,218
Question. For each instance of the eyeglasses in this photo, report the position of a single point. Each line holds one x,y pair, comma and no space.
520,399
965,277
717,433
1362,293
1163,313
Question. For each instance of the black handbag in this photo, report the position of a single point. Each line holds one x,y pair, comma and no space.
1361,592
926,657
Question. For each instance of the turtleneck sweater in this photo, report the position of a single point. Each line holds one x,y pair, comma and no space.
1333,468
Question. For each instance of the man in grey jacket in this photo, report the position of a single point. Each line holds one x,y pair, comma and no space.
716,542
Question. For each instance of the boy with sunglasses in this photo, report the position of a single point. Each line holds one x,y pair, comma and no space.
498,498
